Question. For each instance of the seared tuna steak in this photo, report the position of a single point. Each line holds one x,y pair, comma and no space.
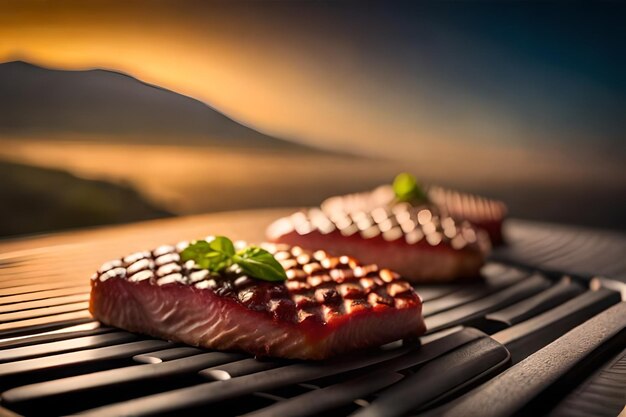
417,242
328,305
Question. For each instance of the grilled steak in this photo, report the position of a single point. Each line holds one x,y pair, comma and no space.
328,305
418,243
484,213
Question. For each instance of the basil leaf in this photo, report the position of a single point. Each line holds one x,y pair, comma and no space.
196,252
406,188
259,263
218,254
222,245
215,255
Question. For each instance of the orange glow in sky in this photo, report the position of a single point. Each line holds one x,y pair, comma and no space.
243,66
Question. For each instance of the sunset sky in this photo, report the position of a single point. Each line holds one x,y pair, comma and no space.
446,76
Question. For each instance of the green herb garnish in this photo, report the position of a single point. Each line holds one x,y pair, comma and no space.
259,263
407,188
219,254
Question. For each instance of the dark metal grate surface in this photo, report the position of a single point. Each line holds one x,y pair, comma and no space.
525,340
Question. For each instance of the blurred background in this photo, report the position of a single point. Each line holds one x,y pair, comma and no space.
120,111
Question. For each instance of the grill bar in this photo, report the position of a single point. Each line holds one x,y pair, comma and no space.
515,389
167,355
43,295
433,292
465,314
564,249
54,321
470,293
532,306
57,391
602,394
43,311
296,373
463,366
47,302
53,336
35,288
319,401
81,361
212,392
86,342
239,368
529,336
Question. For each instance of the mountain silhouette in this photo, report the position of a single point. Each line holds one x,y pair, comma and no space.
36,100
39,199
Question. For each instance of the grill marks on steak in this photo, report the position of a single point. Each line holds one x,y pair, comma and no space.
418,242
484,213
328,305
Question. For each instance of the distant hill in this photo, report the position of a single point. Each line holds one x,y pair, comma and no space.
40,101
38,200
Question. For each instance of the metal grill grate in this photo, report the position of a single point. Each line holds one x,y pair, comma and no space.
526,339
